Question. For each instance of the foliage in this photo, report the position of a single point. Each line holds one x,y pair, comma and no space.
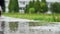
55,7
13,6
40,7
2,3
31,10
3,8
31,5
37,6
41,17
26,10
44,7
56,17
43,1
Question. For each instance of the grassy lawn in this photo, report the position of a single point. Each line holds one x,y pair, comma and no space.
41,17
44,18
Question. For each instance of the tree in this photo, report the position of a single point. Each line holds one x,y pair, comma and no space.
37,6
2,3
13,6
44,7
55,7
26,10
30,5
43,1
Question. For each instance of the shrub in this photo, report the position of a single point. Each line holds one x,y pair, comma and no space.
37,6
44,7
30,5
55,7
31,10
57,19
40,7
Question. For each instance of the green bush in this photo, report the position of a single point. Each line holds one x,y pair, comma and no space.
31,10
44,7
55,7
57,19
39,6
30,5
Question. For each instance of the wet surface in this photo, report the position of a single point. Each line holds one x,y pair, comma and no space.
23,27
52,28
1,32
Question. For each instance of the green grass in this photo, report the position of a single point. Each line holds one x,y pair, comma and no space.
41,17
44,18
